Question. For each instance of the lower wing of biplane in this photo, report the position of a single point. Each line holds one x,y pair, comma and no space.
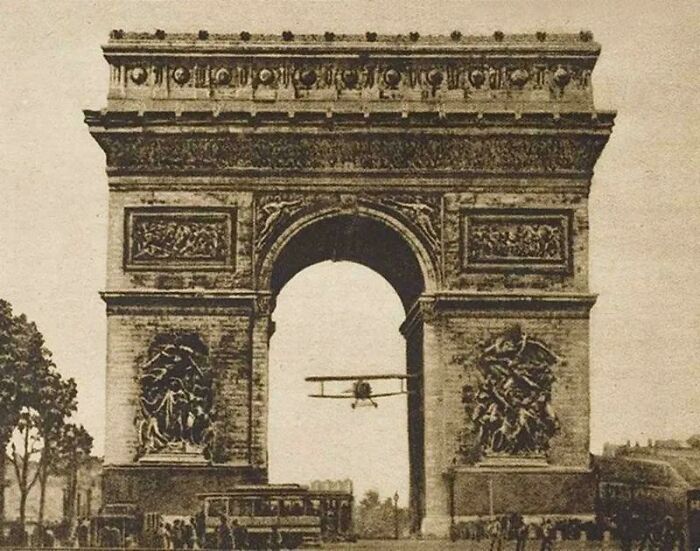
361,390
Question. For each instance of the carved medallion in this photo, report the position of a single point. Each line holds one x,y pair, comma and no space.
159,238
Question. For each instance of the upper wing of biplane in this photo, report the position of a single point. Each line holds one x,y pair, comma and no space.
355,392
321,379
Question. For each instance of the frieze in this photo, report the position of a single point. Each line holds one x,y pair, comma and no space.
367,152
158,238
507,240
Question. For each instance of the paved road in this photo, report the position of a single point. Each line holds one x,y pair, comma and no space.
437,545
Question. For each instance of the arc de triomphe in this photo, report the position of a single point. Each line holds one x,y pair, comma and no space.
457,167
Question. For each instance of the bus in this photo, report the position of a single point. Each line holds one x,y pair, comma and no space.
296,513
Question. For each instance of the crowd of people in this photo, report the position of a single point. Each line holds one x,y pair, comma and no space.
638,532
629,531
511,527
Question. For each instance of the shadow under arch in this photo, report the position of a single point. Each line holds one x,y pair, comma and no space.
371,238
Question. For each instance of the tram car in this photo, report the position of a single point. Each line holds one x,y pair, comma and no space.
296,514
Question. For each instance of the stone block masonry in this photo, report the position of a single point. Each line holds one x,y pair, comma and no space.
457,167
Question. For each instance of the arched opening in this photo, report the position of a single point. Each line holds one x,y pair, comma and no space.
342,319
354,238
323,332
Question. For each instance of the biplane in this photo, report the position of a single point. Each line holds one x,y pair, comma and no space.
361,390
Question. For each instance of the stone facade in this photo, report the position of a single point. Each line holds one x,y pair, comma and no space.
457,167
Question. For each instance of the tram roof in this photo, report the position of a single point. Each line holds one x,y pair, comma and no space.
273,490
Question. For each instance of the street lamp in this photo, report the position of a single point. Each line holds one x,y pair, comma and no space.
396,515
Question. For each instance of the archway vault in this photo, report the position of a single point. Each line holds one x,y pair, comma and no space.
379,239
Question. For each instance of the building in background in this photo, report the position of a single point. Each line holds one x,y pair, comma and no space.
653,480
87,499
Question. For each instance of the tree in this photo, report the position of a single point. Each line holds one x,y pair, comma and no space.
36,370
57,399
694,441
73,450
34,402
8,394
376,519
15,337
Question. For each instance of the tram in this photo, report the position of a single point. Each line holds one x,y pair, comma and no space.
298,515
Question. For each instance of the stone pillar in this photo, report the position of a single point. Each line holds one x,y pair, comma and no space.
436,519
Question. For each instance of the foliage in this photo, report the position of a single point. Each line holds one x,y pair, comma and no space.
694,441
72,450
35,400
376,519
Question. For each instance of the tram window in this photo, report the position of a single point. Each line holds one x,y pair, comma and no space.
246,507
291,507
314,507
259,507
297,508
216,508
234,507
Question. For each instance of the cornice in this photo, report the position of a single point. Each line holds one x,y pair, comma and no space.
147,301
121,42
210,116
431,307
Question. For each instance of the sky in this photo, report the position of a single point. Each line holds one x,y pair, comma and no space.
644,205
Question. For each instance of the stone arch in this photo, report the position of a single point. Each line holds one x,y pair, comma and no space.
375,238
383,242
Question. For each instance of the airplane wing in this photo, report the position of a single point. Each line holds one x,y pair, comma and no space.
319,379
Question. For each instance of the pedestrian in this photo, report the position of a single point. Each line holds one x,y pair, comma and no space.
548,534
83,533
167,536
495,531
521,535
275,542
224,535
239,535
668,535
200,528
190,534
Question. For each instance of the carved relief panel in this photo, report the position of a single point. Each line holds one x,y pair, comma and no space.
509,410
517,240
169,238
175,403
